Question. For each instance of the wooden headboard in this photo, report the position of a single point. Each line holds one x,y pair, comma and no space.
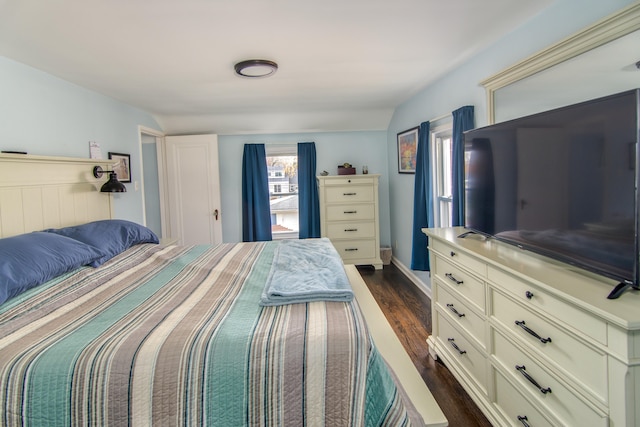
39,192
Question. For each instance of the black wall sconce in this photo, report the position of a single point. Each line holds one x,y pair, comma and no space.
111,186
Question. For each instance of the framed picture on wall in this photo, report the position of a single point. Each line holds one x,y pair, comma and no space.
122,166
407,150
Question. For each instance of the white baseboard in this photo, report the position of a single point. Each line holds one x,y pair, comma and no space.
424,287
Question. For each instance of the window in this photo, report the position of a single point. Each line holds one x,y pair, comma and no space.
442,173
282,163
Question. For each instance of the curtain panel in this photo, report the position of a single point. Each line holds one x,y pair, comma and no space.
308,200
422,200
462,121
256,212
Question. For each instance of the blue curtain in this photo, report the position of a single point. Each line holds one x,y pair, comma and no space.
462,121
422,201
308,202
256,213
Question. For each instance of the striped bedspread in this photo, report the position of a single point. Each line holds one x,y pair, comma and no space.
169,336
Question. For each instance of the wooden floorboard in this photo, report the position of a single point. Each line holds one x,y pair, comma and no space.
408,310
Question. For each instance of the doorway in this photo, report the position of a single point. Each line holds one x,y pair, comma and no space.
152,186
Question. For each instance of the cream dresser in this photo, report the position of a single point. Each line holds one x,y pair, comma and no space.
533,341
349,217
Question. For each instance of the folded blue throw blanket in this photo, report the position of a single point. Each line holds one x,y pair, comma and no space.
305,271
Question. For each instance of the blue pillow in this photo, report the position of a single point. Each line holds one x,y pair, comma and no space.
29,260
111,236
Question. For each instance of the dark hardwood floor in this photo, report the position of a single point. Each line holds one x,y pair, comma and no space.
408,310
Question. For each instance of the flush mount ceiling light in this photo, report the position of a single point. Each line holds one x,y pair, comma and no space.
254,68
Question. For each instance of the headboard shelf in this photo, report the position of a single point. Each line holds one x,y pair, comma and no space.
51,159
38,192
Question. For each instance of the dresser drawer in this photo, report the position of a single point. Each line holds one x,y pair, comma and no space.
463,316
347,181
555,395
515,407
350,212
585,364
468,357
460,257
348,194
459,281
533,296
355,249
350,230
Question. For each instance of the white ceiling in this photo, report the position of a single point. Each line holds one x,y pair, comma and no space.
343,64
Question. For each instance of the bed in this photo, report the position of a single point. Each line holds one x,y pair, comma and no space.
177,335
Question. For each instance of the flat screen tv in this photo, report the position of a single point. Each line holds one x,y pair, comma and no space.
562,183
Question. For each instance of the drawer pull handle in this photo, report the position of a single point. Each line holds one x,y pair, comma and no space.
523,419
350,249
453,279
452,253
350,212
454,345
349,194
528,294
524,373
454,311
531,332
350,229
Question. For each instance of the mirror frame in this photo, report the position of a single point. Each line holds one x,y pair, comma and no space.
610,28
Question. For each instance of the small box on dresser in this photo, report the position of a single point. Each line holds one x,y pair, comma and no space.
534,341
349,217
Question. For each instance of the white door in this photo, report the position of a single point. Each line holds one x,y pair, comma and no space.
193,187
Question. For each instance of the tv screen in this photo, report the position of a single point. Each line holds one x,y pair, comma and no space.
561,183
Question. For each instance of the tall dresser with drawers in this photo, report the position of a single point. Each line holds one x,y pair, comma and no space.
534,342
349,217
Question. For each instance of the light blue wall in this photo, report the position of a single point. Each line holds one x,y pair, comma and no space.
332,149
461,87
45,115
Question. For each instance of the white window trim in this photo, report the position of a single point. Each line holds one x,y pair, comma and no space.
275,150
442,129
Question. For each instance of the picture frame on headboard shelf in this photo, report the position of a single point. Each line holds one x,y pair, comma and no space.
407,150
122,166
